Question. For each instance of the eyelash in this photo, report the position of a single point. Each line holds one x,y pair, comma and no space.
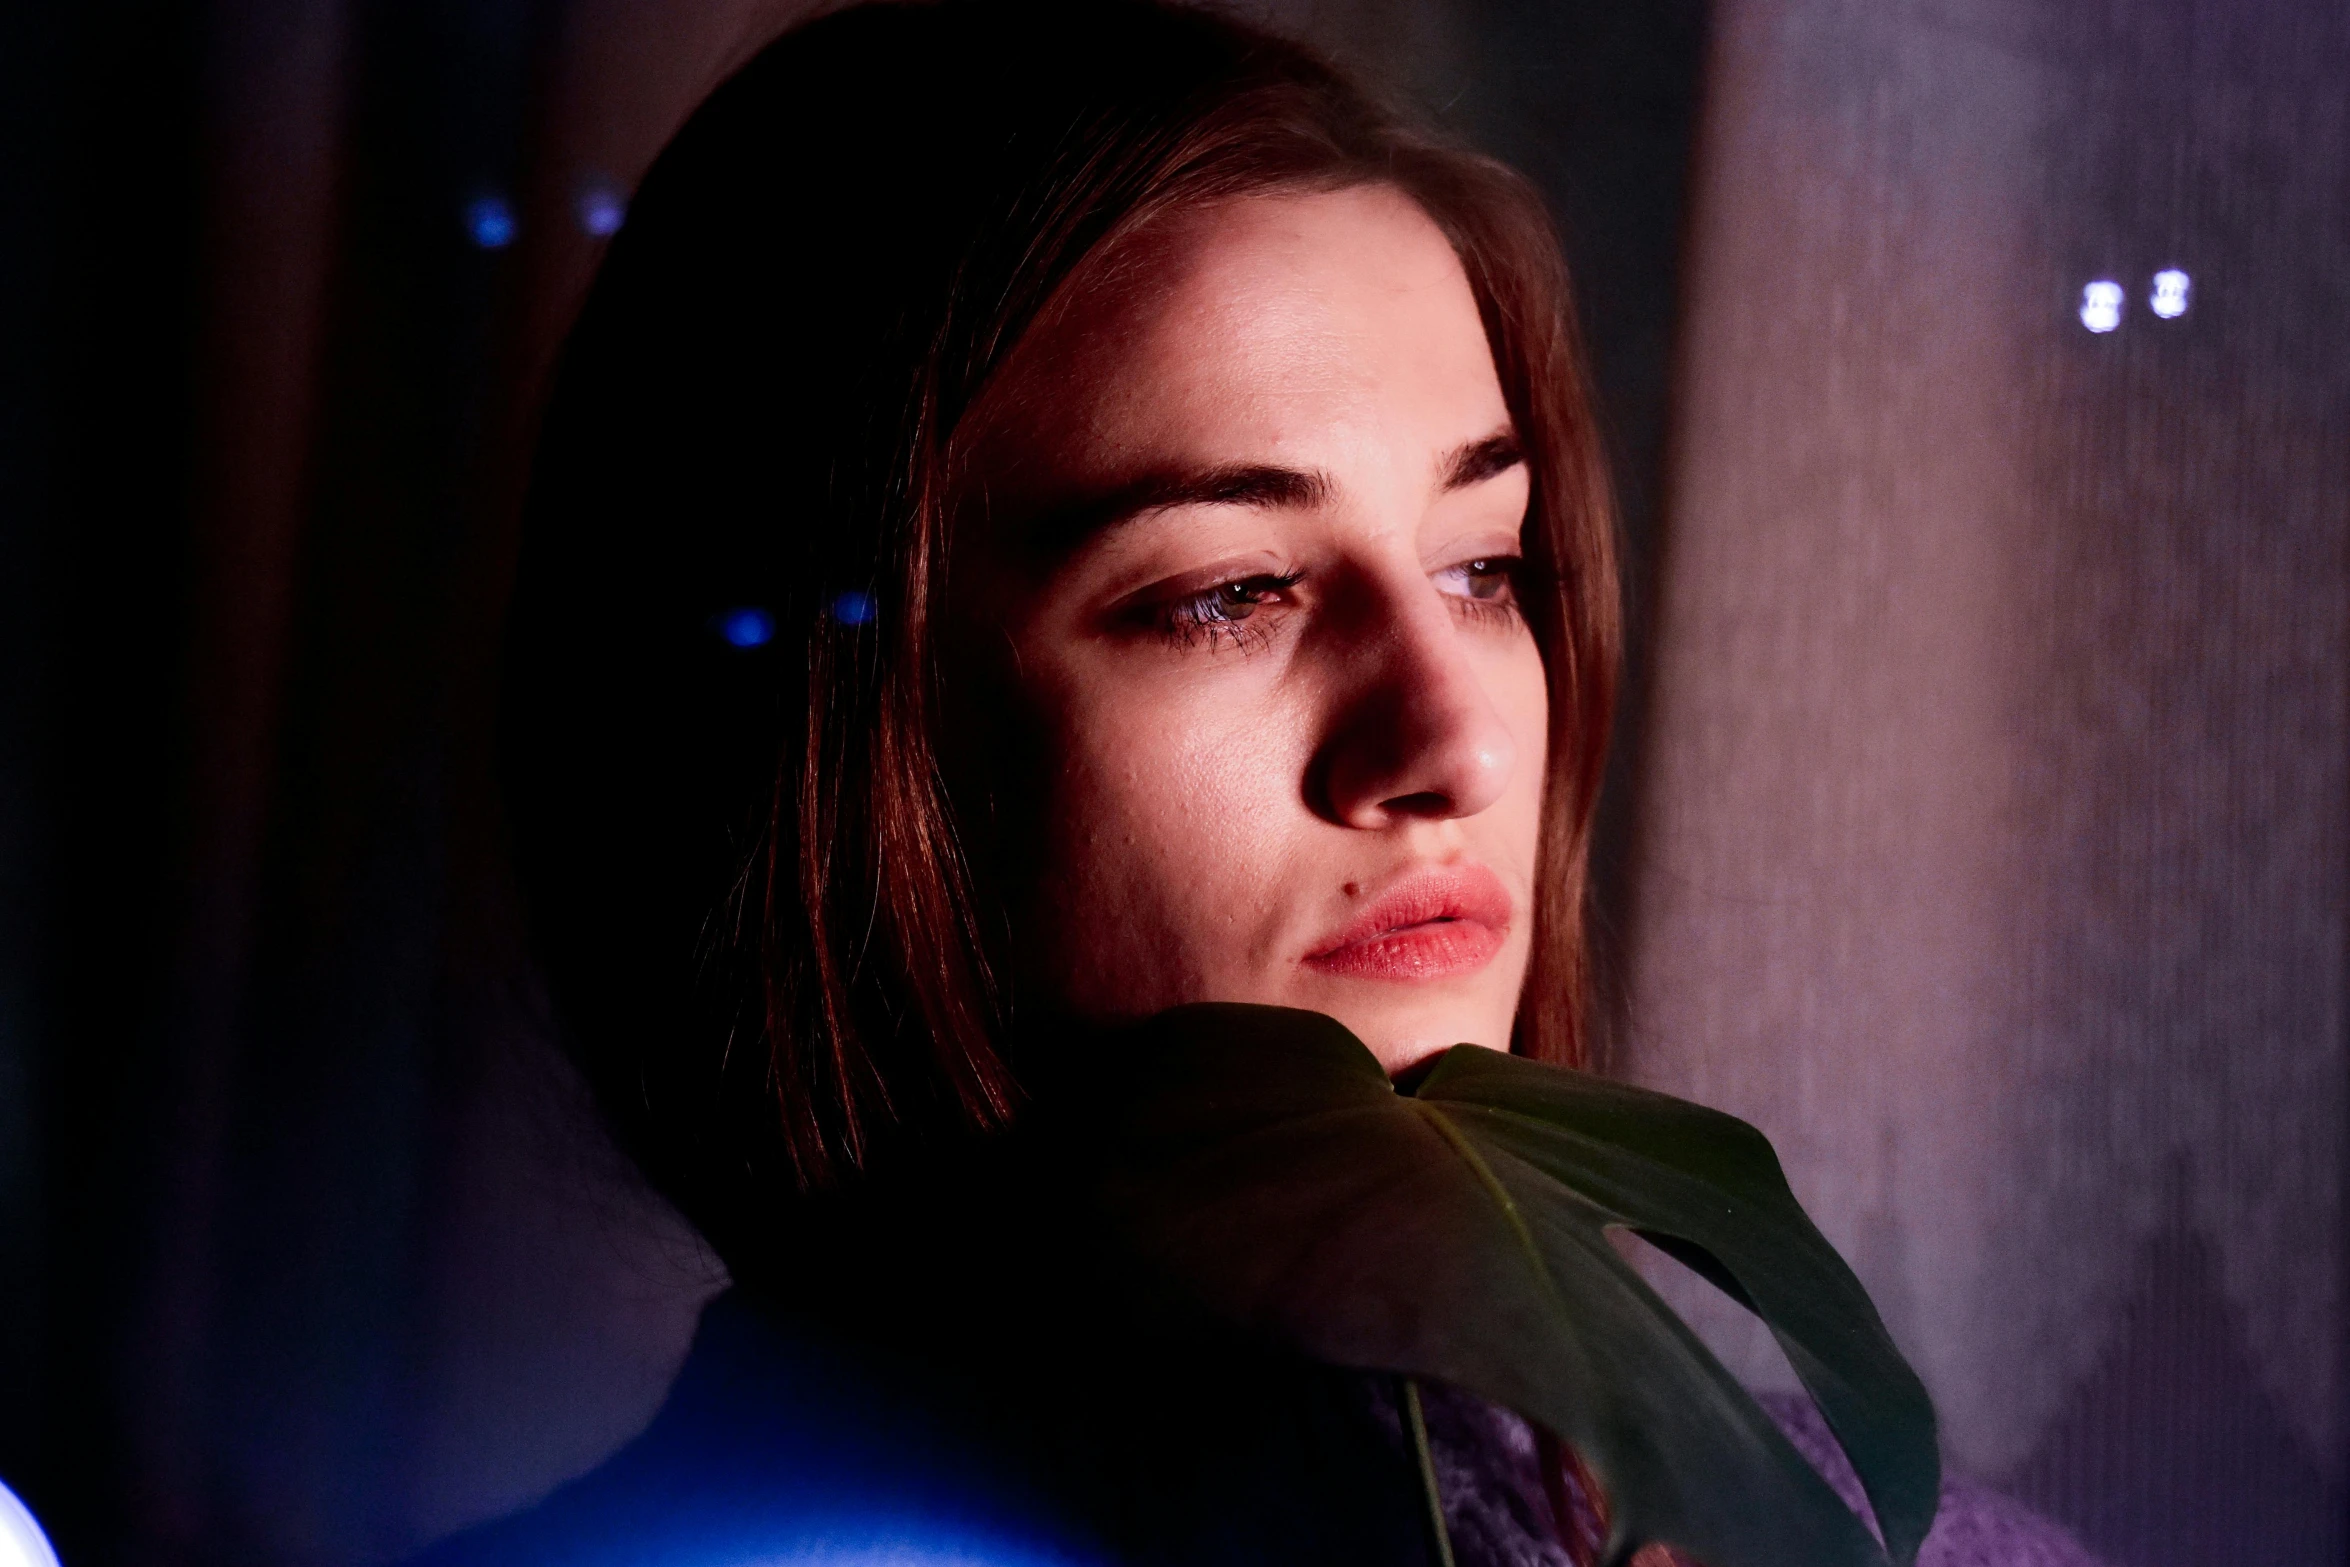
1208,615
1511,570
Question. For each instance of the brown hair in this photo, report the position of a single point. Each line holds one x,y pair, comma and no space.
747,883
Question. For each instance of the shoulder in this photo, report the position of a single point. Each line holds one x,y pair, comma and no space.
1975,1526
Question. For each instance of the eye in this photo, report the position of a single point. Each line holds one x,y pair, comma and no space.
1488,582
1220,610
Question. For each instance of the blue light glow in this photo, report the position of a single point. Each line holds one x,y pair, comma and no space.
490,222
905,1553
748,626
854,609
2101,305
963,1546
601,210
22,1544
2169,299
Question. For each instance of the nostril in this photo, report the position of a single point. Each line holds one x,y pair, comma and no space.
1426,803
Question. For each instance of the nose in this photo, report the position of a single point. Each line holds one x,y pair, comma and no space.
1417,737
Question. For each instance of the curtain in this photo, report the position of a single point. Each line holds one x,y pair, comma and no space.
1991,849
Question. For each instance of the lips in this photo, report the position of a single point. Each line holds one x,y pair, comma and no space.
1433,924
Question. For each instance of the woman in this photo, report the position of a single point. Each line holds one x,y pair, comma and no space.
1050,513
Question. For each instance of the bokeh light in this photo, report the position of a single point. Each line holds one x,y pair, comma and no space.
601,209
747,626
2101,305
2169,299
854,608
22,1544
489,220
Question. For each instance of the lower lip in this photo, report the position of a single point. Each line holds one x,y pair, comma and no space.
1439,949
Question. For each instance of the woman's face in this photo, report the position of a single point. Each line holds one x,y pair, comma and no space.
1242,538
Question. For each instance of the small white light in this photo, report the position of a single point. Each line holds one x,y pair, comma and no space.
22,1544
2169,299
2101,305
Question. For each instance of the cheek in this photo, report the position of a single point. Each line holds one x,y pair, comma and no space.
1520,689
1169,833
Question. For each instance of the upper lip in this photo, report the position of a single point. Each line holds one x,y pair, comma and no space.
1448,892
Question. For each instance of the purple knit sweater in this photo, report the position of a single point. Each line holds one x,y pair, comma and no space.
1499,1511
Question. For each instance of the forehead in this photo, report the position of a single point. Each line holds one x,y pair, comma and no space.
1306,329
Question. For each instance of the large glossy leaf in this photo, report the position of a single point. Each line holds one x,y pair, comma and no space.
1455,1232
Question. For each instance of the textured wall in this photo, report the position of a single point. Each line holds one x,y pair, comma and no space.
1992,849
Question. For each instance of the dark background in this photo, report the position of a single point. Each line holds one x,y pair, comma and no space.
308,1249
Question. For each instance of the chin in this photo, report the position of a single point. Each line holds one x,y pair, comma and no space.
1404,1034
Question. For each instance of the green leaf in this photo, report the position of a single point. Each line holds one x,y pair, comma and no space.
1261,1158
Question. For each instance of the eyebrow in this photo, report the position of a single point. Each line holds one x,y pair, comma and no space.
1261,485
1478,461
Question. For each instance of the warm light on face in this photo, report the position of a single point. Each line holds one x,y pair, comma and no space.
1291,721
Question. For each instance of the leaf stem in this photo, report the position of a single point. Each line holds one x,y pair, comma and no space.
1437,1533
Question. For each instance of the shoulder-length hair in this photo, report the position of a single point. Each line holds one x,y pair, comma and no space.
746,880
